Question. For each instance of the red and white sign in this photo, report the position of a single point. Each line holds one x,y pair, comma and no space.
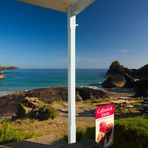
105,125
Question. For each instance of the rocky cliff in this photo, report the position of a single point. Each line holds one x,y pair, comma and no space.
120,76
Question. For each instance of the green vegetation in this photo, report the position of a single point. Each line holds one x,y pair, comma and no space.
46,112
22,111
132,132
83,134
9,134
129,133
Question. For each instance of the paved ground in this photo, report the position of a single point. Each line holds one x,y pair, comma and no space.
53,144
40,142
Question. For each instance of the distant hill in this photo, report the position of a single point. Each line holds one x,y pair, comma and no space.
8,67
2,76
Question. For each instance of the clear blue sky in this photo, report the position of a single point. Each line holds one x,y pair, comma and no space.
35,37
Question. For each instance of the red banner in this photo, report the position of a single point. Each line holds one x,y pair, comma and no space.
104,111
105,125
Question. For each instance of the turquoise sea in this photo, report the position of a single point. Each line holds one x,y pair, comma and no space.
40,78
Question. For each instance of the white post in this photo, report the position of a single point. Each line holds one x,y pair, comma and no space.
71,78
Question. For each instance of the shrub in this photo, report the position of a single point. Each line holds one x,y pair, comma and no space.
10,134
46,112
132,132
22,111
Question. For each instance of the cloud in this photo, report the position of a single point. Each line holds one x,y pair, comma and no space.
100,59
123,52
94,62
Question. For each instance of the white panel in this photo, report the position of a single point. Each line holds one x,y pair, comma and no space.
71,78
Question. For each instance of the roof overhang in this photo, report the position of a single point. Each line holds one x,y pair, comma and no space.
61,5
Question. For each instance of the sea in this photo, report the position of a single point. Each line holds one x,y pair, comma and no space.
26,79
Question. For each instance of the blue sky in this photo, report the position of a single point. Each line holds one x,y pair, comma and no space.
35,37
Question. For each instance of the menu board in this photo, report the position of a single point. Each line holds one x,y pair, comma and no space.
105,125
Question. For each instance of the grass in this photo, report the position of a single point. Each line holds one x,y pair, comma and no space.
9,134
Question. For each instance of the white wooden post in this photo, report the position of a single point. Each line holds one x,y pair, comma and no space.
74,8
71,77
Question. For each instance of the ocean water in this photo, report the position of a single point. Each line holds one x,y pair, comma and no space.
42,78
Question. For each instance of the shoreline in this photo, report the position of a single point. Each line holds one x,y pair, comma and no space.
98,87
5,93
9,92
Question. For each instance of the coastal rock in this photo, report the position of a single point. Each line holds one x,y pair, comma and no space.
78,97
9,103
116,69
49,95
31,102
114,81
91,94
120,76
141,72
119,81
142,88
34,109
130,81
27,107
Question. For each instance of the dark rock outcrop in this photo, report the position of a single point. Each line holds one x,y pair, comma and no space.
88,93
141,88
49,95
114,81
142,72
9,103
116,68
120,76
27,107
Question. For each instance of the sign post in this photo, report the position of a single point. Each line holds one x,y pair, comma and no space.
72,8
105,125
